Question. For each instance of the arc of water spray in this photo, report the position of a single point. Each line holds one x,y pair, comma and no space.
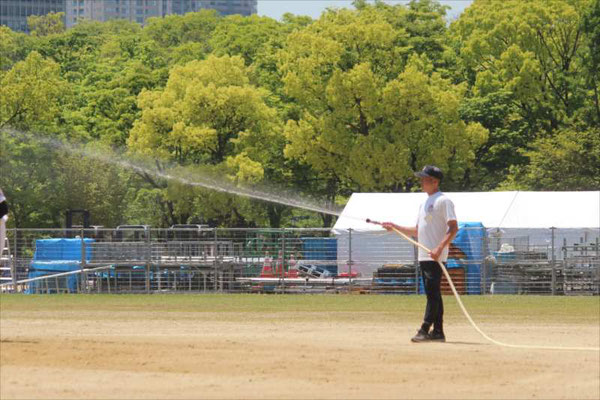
192,179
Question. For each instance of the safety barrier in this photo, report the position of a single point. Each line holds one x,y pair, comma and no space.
200,259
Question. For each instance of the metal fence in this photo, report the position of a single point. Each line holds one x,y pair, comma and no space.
145,260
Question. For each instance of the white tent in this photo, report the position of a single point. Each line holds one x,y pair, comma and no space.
515,214
528,210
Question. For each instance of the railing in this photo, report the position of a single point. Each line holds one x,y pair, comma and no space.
553,261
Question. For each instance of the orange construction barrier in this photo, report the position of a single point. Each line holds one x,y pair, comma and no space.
267,269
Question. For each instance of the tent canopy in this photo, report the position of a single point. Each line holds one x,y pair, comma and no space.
494,209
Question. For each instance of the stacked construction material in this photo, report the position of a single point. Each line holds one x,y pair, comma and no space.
394,279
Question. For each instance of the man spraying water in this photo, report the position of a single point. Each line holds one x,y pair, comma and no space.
436,228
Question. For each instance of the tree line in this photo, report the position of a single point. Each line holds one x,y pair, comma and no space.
506,97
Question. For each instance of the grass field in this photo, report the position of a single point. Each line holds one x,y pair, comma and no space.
292,346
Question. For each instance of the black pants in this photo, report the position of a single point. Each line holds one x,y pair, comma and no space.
432,278
3,210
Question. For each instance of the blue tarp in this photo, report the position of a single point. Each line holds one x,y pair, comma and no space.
53,256
61,249
470,240
42,269
321,249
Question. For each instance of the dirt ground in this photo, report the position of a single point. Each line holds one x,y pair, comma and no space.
161,354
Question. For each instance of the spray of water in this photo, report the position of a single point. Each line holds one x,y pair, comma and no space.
187,176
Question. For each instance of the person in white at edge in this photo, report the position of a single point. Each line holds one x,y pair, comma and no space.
3,219
436,228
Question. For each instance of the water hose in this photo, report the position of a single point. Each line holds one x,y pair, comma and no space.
468,316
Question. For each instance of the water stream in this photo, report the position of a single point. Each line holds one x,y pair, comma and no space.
185,175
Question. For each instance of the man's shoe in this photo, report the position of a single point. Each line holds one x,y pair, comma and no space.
421,336
437,336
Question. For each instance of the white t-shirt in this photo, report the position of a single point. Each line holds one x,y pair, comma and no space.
432,224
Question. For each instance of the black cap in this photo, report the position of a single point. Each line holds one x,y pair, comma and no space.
430,171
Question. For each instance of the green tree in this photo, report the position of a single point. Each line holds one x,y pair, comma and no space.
257,40
375,135
508,134
422,21
174,30
591,30
109,67
245,36
76,50
205,117
90,184
524,64
105,107
507,96
369,119
44,25
14,47
570,160
43,180
528,47
330,49
31,93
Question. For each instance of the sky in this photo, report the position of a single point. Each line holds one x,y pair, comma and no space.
314,8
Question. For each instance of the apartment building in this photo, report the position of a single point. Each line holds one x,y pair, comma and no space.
14,13
140,10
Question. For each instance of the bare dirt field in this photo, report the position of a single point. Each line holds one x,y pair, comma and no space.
292,347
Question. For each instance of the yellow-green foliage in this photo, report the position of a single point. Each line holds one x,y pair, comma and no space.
506,96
